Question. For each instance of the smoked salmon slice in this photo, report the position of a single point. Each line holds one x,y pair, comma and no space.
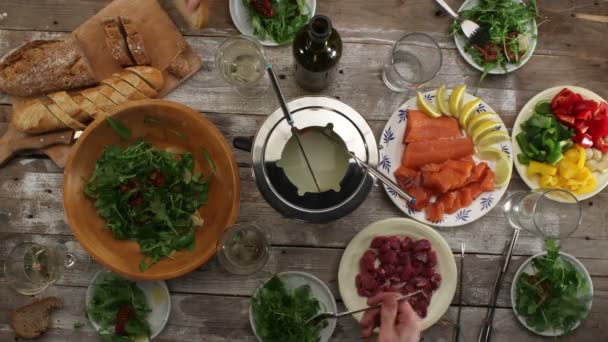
421,127
420,153
451,175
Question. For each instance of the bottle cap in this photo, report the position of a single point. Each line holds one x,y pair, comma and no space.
320,27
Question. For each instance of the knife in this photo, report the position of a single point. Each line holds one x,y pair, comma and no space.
13,142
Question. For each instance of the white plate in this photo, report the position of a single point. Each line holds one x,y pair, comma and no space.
461,42
319,290
157,297
527,111
240,18
391,151
446,265
527,267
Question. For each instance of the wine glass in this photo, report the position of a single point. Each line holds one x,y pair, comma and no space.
243,249
549,213
241,62
32,267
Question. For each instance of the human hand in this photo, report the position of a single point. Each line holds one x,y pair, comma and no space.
398,321
192,5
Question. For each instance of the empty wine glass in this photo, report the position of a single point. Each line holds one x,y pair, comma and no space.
243,248
32,267
550,213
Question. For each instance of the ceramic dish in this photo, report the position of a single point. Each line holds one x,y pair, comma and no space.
461,43
319,290
240,18
527,111
446,265
157,297
527,268
123,256
391,152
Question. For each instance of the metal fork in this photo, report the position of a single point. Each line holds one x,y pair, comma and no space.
327,315
475,34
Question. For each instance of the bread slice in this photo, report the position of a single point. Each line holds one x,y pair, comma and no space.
112,94
124,88
71,108
199,18
135,41
35,117
137,83
179,65
98,99
33,320
151,75
62,116
116,42
44,66
89,107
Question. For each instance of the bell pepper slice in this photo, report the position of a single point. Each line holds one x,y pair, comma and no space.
542,169
584,140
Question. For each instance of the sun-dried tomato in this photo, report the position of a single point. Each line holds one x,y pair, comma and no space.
263,7
123,316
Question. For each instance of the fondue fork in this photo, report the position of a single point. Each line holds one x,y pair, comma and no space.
289,118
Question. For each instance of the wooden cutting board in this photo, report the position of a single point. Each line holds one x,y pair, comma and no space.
162,40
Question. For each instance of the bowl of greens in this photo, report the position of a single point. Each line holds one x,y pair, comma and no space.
513,34
123,310
281,305
272,22
551,292
149,190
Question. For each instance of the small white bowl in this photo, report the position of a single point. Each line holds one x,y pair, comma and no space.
157,297
526,266
320,291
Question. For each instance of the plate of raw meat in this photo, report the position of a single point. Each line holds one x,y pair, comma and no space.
399,255
434,159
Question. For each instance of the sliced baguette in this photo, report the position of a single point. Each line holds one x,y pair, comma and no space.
112,94
35,117
89,107
136,82
62,116
124,88
135,41
98,99
179,65
69,106
32,320
116,42
151,75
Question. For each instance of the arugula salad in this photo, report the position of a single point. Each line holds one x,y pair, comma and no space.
279,314
149,195
508,24
120,308
277,20
555,296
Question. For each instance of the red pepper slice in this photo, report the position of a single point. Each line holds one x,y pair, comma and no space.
598,127
585,115
584,140
581,127
566,119
563,102
600,144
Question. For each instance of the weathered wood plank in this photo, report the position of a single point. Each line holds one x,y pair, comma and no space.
357,21
479,273
218,318
360,85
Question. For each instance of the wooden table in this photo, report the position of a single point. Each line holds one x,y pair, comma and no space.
211,305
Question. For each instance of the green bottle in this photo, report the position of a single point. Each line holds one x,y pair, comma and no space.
317,49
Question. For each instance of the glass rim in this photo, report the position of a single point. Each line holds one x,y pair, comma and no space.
427,36
224,258
238,37
545,194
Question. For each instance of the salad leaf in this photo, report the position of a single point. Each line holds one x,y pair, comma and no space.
279,314
110,294
123,131
148,195
289,17
555,296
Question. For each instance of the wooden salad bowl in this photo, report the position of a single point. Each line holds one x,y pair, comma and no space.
124,256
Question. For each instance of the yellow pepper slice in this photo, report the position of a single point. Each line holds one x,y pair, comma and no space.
541,169
581,157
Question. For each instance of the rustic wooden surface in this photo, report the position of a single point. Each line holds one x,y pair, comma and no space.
211,305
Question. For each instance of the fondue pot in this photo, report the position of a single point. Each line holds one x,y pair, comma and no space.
284,188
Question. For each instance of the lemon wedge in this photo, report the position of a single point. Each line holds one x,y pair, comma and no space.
503,164
427,107
481,129
442,100
476,120
456,99
491,138
467,111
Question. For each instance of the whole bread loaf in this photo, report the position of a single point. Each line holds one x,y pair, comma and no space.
44,66
61,109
